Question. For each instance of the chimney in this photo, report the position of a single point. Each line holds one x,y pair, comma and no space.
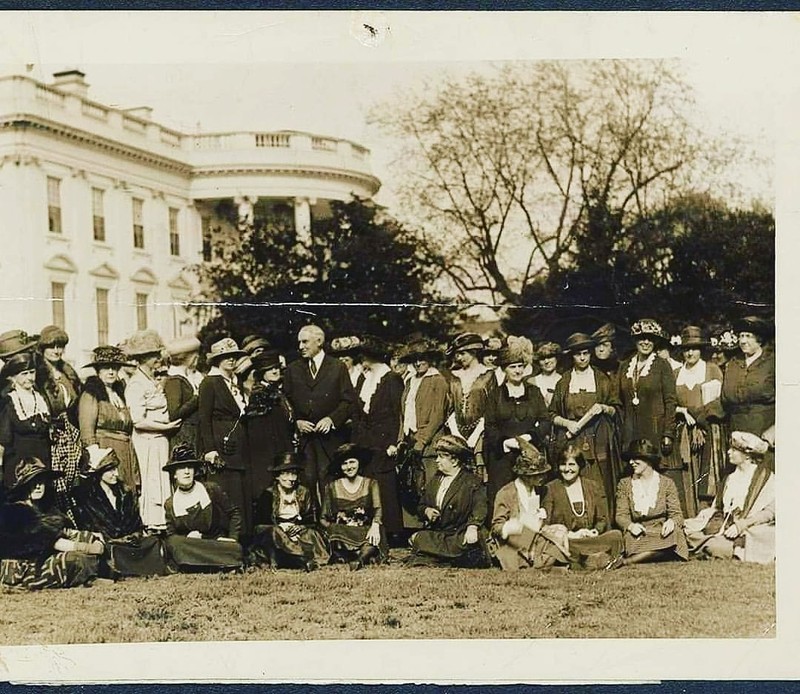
71,82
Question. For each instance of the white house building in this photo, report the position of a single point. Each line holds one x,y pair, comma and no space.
103,211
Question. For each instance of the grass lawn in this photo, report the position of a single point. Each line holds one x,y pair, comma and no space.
392,602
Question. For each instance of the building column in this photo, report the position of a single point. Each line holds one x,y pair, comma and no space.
245,205
302,220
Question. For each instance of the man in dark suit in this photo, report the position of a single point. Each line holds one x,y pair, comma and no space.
320,392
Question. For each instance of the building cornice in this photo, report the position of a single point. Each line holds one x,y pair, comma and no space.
27,121
283,170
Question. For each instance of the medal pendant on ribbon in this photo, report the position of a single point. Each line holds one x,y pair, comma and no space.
635,400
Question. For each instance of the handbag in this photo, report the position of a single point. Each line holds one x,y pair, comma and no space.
410,477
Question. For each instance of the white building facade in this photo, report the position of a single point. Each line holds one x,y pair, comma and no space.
104,212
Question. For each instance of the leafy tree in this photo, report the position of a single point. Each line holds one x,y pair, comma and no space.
360,273
694,260
507,172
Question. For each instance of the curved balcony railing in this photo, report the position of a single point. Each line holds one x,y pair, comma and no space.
20,95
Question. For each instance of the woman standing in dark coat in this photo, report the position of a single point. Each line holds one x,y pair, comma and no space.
58,382
103,416
180,389
376,426
268,420
221,434
748,388
516,408
103,504
646,389
24,416
584,410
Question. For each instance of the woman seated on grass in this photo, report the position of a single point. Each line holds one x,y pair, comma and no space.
292,539
580,505
103,504
202,525
36,547
453,510
351,511
648,510
521,537
741,522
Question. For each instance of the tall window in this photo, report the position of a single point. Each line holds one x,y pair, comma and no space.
54,205
102,315
138,223
57,301
174,236
141,311
206,239
98,216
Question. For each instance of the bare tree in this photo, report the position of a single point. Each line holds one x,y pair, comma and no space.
505,169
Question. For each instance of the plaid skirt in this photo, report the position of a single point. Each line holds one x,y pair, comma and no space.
66,452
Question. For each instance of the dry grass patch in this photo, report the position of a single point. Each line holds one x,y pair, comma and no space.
391,602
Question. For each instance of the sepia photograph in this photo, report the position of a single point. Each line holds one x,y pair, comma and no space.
446,333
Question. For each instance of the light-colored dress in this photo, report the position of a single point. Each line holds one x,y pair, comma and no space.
146,401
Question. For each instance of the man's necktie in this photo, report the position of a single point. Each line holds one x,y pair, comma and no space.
312,367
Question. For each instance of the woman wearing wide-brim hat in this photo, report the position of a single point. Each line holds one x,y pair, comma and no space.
453,510
352,513
646,388
748,389
38,549
584,410
471,387
222,440
106,505
648,510
15,342
24,415
181,386
516,408
151,425
203,524
423,410
375,428
268,420
104,419
522,534
291,537
697,461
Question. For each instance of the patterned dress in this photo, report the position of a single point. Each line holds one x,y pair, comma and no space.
27,549
349,515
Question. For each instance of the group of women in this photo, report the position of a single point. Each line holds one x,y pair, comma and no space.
486,452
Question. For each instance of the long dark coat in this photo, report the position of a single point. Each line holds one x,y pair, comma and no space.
654,416
464,504
748,393
329,394
376,431
507,417
219,417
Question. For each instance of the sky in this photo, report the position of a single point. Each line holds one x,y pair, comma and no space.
320,72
